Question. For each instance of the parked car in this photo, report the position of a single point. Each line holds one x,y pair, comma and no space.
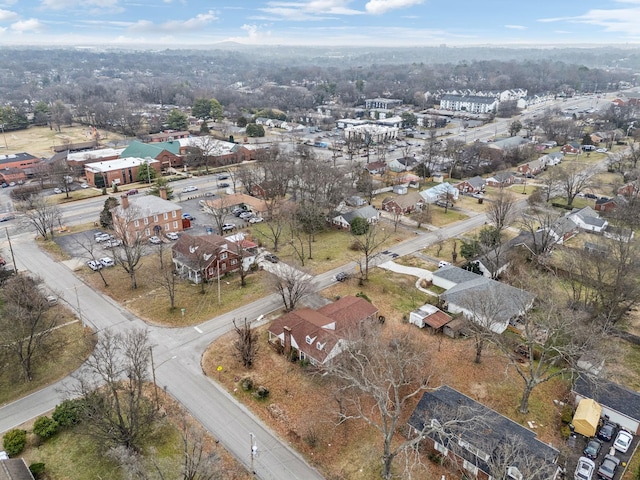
246,215
172,236
256,219
5,184
223,185
12,184
227,227
190,188
133,191
84,185
114,242
608,467
57,190
623,441
590,195
103,237
602,150
93,265
188,216
443,263
155,240
584,470
271,258
51,299
107,262
342,276
592,450
607,431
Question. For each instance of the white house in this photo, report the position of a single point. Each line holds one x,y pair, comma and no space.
433,194
588,219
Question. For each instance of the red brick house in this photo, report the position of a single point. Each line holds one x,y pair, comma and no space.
531,168
146,215
376,168
18,160
402,203
320,335
119,172
471,185
571,148
631,189
204,256
608,204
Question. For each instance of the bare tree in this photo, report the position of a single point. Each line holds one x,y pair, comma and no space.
41,213
130,253
389,373
369,244
501,210
250,175
26,322
88,244
218,209
278,215
111,384
292,284
539,223
246,344
572,180
167,277
198,462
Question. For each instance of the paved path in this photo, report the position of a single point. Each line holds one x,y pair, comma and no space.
413,271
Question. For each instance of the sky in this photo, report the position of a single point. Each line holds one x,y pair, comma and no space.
393,23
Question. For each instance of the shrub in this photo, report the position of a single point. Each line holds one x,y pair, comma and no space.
37,469
565,431
567,414
14,441
68,413
247,384
45,427
363,296
262,392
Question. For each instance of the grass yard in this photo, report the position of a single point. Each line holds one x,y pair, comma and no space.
330,249
151,302
440,219
300,405
39,141
80,194
72,455
70,347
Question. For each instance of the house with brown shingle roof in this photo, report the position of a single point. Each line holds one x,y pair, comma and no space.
320,335
205,256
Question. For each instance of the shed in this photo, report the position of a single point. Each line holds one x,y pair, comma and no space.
587,417
429,315
454,328
400,189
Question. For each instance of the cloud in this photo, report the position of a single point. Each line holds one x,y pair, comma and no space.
378,7
198,22
31,25
516,27
64,4
8,16
621,20
309,10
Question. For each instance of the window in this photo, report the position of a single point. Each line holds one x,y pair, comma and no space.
155,218
223,256
514,473
308,339
174,214
211,271
223,266
136,223
166,216
146,220
440,448
175,224
167,227
234,262
147,232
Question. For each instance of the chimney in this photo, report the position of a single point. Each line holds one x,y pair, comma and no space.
163,193
125,201
287,340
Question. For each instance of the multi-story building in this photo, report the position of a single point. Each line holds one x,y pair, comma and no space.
147,215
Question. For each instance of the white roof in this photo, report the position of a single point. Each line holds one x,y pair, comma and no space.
212,145
101,153
118,163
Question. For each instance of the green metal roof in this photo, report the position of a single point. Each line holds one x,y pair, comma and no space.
143,150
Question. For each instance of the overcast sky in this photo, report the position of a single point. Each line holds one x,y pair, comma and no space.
179,23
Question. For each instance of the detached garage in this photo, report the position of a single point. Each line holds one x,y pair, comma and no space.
620,404
587,417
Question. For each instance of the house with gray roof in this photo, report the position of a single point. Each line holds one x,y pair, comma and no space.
588,219
464,287
479,441
469,103
562,230
507,144
501,179
343,220
147,215
471,185
433,194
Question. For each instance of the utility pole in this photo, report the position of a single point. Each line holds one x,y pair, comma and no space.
13,258
218,265
153,374
75,287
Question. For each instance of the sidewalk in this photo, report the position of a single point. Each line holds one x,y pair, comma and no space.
420,273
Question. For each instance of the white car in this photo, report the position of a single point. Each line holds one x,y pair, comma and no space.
103,237
172,236
93,265
114,242
585,468
84,185
246,215
57,190
227,227
623,441
107,262
190,188
602,150
155,240
256,219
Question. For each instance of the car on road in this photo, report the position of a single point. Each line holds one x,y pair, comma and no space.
51,299
256,220
222,176
188,216
102,237
133,191
223,185
623,441
608,467
107,262
114,242
93,265
172,236
607,431
155,240
342,276
6,218
57,190
271,258
227,227
190,188
584,470
592,450
209,194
